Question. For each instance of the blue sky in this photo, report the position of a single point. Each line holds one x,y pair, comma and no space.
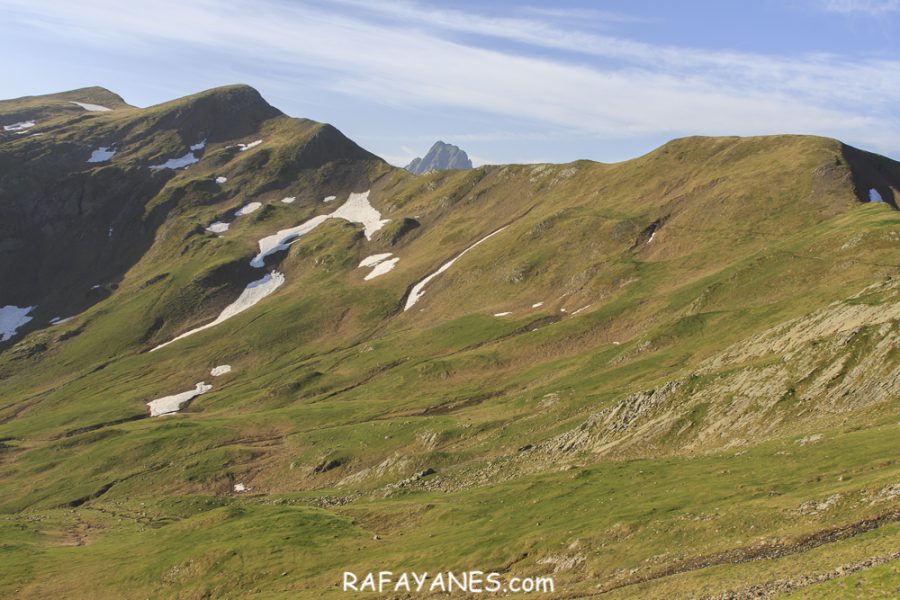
507,81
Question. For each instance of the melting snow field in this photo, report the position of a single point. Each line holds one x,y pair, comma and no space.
221,179
418,290
172,404
874,196
220,370
253,293
90,107
329,199
245,147
177,163
283,239
289,200
20,126
102,154
218,227
182,161
247,209
356,210
11,318
382,263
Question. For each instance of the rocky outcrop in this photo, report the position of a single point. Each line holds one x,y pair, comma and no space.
441,157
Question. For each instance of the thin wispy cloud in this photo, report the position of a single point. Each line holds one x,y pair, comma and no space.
408,55
869,7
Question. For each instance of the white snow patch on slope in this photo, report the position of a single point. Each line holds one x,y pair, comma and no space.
371,261
220,370
502,314
247,209
90,107
874,196
102,154
171,404
221,179
537,305
60,321
20,126
199,146
245,147
11,318
418,290
253,293
218,227
283,239
652,235
289,199
239,487
382,263
358,210
329,199
583,308
177,163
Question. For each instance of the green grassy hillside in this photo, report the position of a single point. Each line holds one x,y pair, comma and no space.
675,376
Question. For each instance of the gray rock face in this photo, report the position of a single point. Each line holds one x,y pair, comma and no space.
441,157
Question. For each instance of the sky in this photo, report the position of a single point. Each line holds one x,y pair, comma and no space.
509,82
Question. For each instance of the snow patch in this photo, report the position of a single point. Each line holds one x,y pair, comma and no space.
537,305
502,314
253,293
221,179
90,107
283,239
874,196
247,209
371,261
220,370
382,263
583,308
102,154
20,126
182,161
177,163
11,318
171,404
329,199
240,487
358,210
289,199
418,290
59,321
245,147
218,227
652,235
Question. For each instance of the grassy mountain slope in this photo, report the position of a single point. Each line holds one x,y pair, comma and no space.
695,390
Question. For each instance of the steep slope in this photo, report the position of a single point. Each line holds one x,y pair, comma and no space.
440,157
667,377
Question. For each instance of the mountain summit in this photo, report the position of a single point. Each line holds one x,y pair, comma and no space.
441,157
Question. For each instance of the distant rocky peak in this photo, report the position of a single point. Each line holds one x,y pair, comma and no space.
441,157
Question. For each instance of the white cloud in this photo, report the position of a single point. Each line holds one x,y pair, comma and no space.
409,55
870,7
